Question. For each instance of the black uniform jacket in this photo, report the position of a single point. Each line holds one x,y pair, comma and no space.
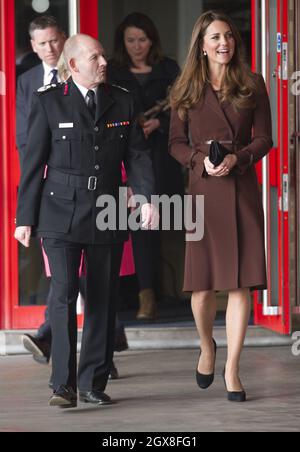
84,158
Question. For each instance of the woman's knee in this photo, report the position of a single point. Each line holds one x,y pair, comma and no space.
202,297
240,295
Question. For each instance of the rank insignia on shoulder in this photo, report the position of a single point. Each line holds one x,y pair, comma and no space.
66,89
46,88
117,124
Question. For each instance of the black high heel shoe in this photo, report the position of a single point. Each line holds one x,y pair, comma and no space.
237,396
205,381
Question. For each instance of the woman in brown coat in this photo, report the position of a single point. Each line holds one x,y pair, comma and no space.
217,97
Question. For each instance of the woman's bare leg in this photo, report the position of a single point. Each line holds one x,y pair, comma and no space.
204,307
237,319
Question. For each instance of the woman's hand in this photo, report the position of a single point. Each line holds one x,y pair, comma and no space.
222,170
150,126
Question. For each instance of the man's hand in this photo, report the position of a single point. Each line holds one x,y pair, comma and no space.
150,217
23,234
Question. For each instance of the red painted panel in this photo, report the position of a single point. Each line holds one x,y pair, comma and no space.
8,166
89,18
279,166
285,171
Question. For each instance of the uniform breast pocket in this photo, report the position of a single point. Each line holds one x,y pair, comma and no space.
57,208
114,146
67,149
116,134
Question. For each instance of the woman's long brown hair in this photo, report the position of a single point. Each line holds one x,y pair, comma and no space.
141,21
238,85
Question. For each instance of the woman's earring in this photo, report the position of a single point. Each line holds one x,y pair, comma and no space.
204,53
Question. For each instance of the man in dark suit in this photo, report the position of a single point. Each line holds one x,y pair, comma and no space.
47,41
82,131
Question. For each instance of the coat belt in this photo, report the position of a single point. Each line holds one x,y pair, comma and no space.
228,142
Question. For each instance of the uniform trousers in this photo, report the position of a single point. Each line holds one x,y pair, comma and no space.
103,264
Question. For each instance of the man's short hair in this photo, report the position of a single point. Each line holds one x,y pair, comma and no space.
43,22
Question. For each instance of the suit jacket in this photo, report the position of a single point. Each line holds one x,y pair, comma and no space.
28,83
84,148
232,253
26,63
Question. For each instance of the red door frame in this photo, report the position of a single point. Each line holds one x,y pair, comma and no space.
13,316
278,168
8,167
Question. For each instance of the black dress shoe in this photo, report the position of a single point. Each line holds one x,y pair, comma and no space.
39,348
64,397
237,396
95,397
205,381
114,374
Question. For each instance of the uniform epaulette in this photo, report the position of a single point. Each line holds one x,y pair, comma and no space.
46,88
121,87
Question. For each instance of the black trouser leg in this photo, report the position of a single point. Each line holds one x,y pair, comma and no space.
44,331
103,267
64,260
146,253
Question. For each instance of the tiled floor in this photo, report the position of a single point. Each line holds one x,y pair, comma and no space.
157,393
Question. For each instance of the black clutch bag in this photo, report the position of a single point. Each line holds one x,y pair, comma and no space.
217,153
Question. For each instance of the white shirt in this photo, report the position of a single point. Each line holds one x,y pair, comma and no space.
84,92
48,74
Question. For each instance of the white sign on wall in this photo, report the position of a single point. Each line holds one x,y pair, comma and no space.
2,84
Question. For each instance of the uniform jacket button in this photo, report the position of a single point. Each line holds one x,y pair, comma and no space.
96,148
97,167
96,129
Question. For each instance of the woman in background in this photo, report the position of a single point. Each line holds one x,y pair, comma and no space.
138,64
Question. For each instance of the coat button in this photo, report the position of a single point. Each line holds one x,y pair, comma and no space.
97,167
96,129
96,148
64,137
52,193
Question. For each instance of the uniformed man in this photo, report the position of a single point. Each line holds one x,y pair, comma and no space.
82,131
47,40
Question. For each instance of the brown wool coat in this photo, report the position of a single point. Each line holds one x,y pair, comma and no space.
232,253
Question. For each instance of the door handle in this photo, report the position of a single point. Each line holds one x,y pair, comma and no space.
294,136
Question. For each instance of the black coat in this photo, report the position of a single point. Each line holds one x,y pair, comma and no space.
87,148
168,174
28,83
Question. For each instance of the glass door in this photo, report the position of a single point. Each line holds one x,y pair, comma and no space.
23,285
271,47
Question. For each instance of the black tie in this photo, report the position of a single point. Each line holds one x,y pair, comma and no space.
91,102
54,76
